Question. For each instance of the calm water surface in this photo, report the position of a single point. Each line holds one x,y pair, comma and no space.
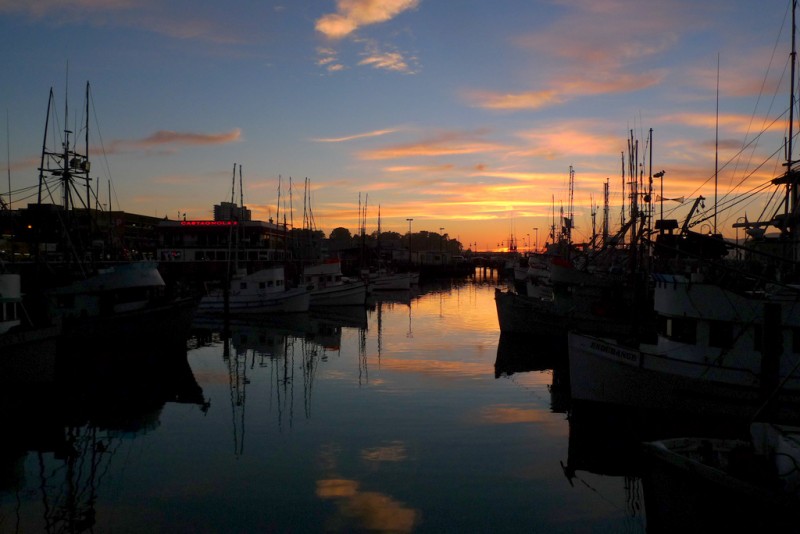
410,416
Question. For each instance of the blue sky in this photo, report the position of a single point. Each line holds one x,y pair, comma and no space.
461,115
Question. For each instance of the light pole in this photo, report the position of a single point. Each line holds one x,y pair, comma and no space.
409,239
661,175
441,239
536,246
529,242
738,250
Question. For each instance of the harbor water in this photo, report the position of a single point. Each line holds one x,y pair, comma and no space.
412,415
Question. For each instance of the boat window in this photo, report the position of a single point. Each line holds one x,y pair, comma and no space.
269,283
262,285
796,340
242,285
720,334
682,329
758,337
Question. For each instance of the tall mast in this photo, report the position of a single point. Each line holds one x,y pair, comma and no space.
86,148
605,213
793,190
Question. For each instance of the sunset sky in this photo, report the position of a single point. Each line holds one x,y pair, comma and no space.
463,115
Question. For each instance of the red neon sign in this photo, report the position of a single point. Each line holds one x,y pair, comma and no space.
209,223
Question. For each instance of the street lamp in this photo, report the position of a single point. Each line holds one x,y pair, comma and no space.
536,246
529,242
409,239
661,175
441,239
738,250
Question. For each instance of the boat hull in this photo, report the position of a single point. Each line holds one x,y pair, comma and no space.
390,282
348,294
603,371
290,301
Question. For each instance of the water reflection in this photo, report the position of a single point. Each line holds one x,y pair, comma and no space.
522,354
364,510
282,354
414,415
60,441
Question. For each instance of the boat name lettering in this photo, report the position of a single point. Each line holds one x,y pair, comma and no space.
631,356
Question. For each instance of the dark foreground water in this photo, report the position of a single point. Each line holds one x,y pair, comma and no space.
410,416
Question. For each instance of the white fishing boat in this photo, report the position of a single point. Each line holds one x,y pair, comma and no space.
263,291
384,280
728,339
330,288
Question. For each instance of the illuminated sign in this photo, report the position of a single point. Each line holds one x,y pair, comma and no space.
209,223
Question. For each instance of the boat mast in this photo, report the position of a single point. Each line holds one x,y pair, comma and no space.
793,190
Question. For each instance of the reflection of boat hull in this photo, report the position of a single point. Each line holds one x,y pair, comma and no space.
519,354
344,316
28,356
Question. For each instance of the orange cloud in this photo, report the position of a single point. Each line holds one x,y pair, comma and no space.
510,101
727,122
171,139
451,143
387,61
353,14
420,169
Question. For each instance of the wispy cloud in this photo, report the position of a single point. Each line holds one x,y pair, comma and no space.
420,168
352,14
171,140
40,8
328,58
515,101
143,15
387,61
448,143
375,133
594,48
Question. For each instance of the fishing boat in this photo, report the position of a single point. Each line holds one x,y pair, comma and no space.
728,340
79,278
330,288
124,303
719,484
385,280
263,291
27,351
